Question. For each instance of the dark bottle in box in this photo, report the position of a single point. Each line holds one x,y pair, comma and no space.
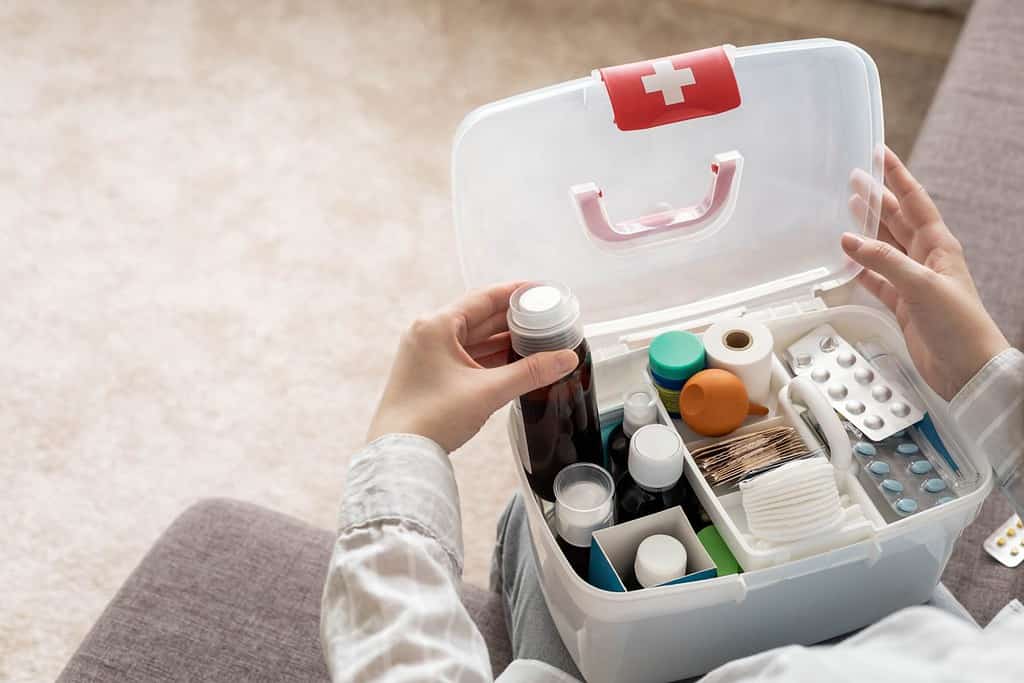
654,481
584,503
560,423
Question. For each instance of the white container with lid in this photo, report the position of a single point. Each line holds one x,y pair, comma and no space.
666,194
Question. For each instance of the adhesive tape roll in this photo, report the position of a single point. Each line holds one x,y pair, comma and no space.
744,348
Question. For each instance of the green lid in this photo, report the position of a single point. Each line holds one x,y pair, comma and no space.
719,551
676,355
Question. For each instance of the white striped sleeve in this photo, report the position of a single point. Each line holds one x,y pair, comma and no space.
391,609
990,410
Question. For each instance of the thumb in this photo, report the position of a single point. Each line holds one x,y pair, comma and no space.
533,372
906,274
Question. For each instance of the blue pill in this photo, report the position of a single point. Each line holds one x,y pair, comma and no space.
908,448
944,500
921,467
865,449
878,467
906,505
900,434
892,485
934,485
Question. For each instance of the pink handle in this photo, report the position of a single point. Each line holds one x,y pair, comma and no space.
725,175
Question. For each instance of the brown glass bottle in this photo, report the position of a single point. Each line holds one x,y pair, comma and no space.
561,424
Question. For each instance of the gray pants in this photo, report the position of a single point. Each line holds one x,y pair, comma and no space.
533,634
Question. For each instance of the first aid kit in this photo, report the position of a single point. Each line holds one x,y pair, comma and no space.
671,195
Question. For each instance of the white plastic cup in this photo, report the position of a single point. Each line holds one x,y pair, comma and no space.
584,502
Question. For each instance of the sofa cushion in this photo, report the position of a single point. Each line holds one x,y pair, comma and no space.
231,592
970,154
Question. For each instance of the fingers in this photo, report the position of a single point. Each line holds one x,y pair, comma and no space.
496,324
904,273
860,210
915,204
881,288
535,371
880,202
499,343
479,306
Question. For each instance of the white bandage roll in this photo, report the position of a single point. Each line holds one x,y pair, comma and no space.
744,348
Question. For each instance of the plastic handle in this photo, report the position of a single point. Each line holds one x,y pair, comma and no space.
802,390
726,170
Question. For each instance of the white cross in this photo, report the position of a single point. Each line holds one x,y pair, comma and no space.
669,80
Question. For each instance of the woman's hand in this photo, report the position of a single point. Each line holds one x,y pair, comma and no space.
450,373
917,269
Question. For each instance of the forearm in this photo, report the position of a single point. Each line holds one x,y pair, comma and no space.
990,409
390,605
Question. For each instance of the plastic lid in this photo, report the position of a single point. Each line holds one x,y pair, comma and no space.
544,316
659,559
811,113
656,457
676,355
639,408
584,502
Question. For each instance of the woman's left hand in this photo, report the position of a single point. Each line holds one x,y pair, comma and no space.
450,373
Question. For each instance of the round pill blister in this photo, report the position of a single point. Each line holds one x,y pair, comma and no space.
874,422
881,393
906,505
1000,541
854,407
864,448
944,500
1011,532
863,375
899,409
1014,551
921,467
907,448
845,359
828,344
837,391
934,485
803,360
820,375
892,485
878,468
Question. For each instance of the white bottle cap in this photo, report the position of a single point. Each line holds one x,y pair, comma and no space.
659,559
544,316
656,457
638,409
584,502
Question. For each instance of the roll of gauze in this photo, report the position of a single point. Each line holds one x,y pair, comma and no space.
744,348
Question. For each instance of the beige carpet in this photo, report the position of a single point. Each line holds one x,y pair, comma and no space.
215,219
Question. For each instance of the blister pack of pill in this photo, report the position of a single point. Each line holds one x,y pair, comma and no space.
1006,543
851,384
906,472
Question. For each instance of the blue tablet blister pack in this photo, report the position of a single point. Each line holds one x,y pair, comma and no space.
905,468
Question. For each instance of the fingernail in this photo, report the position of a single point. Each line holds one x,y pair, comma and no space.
851,241
567,361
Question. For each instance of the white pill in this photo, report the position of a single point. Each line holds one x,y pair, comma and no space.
845,359
854,407
837,391
874,422
863,375
881,393
899,409
820,375
828,344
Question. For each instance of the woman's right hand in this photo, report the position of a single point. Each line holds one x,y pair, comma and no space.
917,269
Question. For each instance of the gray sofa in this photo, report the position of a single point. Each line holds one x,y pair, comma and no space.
231,591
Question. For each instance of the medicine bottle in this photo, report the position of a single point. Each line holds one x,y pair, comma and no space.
560,424
654,481
638,409
584,503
